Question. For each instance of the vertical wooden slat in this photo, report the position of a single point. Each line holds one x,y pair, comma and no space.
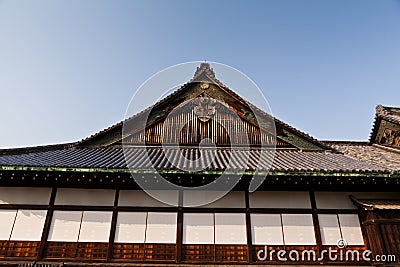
185,128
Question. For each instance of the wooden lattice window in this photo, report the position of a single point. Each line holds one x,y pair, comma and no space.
149,236
219,237
20,232
78,234
335,227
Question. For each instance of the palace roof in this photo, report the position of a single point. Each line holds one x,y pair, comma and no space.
296,151
285,160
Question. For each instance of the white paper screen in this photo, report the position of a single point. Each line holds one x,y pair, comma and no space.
198,228
7,218
25,195
330,231
95,226
351,230
85,197
266,229
280,199
161,227
298,229
139,198
230,228
29,225
233,199
65,226
333,200
131,227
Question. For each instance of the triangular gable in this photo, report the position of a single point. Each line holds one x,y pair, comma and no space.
204,84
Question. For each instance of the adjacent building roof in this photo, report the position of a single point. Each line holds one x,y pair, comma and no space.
384,145
385,156
378,204
388,113
386,127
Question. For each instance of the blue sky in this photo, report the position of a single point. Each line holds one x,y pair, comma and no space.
69,68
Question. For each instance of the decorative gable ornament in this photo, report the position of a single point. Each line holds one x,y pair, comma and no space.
205,108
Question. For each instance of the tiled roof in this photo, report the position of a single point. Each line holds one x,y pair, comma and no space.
387,157
380,204
113,158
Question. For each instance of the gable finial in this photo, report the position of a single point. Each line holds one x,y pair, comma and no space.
204,73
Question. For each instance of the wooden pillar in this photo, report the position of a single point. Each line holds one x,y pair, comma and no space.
179,235
179,226
317,229
248,228
47,224
113,227
374,232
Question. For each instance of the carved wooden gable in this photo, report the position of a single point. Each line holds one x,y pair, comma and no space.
205,116
204,110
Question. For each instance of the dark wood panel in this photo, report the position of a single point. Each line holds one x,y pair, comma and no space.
131,252
55,250
19,249
231,253
198,253
89,250
3,248
144,252
391,237
75,250
382,230
160,252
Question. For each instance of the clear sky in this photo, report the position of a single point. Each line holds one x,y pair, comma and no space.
69,68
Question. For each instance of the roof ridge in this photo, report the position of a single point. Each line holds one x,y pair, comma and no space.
390,149
344,142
